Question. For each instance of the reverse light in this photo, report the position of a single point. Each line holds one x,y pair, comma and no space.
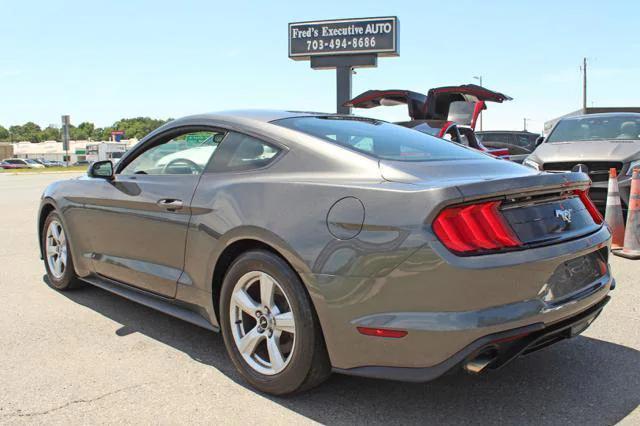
382,332
474,228
591,208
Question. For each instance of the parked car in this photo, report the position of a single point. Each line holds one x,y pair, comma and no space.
320,242
449,112
593,144
25,163
5,165
47,163
519,144
81,163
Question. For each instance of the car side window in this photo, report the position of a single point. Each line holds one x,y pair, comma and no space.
185,154
242,152
363,144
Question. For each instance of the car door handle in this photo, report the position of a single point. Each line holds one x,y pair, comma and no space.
170,204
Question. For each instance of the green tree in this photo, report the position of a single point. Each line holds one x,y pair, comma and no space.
98,134
4,134
29,131
84,131
138,127
51,134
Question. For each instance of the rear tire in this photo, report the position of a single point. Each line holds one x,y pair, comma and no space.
269,326
57,255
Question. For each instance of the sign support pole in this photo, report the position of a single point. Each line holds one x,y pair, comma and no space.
344,44
343,88
65,137
344,66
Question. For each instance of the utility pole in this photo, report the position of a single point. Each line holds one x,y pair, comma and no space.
525,123
479,78
584,83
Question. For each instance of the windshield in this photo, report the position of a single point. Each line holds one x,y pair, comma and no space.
31,161
379,139
623,127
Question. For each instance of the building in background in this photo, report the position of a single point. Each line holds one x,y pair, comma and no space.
52,150
6,150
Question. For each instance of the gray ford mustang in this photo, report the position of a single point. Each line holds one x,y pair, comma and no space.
319,242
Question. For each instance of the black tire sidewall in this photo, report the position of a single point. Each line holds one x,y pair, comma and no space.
68,277
293,376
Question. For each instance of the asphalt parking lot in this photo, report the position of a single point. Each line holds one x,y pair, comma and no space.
91,357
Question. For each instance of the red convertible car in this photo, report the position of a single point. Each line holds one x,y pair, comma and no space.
449,112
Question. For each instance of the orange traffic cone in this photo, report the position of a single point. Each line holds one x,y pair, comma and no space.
613,213
631,248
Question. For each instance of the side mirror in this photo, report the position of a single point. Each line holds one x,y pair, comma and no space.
539,140
101,169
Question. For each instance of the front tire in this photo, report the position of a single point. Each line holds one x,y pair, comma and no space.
270,329
57,255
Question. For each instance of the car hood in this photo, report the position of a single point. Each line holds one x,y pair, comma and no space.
612,150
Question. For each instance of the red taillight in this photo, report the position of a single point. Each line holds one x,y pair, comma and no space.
382,332
476,227
591,208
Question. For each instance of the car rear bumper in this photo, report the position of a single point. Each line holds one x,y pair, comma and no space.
448,303
494,351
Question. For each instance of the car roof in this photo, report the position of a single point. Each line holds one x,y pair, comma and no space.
259,115
603,115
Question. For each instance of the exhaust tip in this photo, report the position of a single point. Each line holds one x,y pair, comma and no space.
479,363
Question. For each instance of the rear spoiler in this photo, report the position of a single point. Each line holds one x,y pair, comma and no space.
539,183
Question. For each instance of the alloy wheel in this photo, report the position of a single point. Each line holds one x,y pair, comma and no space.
56,249
262,323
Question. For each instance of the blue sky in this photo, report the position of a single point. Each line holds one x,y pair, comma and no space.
101,61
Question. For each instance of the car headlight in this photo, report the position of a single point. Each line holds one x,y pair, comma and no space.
531,163
633,164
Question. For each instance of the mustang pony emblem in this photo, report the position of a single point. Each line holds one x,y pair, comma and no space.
565,215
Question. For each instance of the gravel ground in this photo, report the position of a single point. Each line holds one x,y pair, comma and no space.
91,357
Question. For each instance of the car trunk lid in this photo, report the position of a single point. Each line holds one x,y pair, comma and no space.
461,104
540,208
374,98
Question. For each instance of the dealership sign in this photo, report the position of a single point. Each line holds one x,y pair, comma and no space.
377,36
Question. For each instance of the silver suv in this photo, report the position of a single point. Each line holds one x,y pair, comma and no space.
592,144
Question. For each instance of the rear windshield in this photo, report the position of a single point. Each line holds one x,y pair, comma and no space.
594,128
379,139
423,127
